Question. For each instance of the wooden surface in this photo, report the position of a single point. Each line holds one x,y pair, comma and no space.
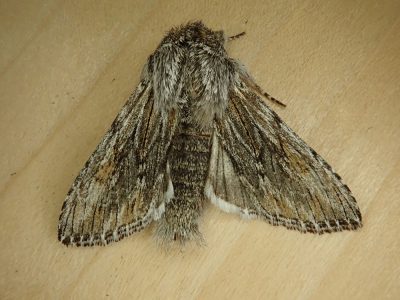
67,67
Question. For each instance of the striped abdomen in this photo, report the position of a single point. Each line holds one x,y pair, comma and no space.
188,159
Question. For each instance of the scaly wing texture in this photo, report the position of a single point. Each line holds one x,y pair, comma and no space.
260,168
120,190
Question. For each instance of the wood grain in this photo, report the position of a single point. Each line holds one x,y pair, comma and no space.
67,67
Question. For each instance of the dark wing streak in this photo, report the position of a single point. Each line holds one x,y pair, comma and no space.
237,135
116,215
277,206
326,194
83,221
339,196
67,218
146,131
295,203
93,217
349,204
244,126
73,215
312,213
315,205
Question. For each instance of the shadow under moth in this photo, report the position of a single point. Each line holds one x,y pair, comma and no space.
194,130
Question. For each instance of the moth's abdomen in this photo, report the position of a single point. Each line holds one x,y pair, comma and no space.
190,154
188,159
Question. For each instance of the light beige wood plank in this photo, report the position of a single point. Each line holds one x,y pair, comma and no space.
66,68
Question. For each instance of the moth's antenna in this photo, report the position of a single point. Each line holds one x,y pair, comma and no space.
236,36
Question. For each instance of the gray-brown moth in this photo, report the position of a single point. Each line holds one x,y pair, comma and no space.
195,130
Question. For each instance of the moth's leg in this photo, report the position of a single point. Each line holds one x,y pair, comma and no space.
268,96
236,36
259,90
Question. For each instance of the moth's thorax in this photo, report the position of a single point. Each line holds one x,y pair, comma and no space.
191,65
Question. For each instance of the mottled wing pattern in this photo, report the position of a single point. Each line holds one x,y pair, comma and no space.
260,168
120,190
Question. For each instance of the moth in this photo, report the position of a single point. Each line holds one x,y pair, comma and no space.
195,130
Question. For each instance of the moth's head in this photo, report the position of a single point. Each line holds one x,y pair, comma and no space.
196,33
